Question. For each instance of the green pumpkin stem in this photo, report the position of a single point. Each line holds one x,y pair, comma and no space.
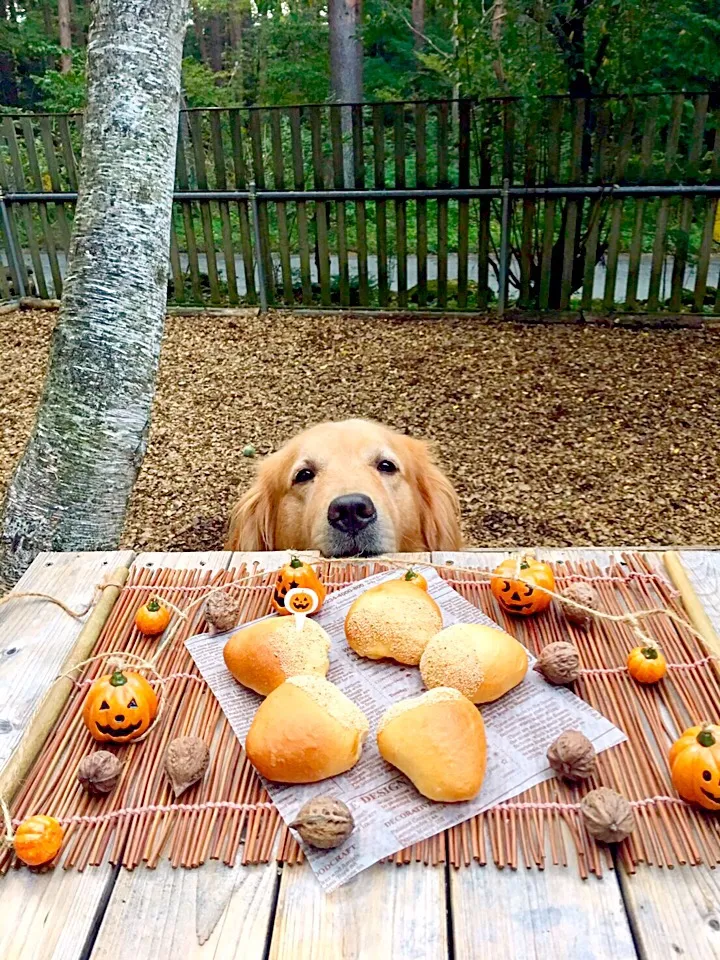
650,653
296,562
411,575
705,737
153,605
524,565
118,679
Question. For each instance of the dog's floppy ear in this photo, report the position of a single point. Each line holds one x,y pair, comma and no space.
252,518
439,504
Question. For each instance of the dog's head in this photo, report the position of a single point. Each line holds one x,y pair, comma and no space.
346,489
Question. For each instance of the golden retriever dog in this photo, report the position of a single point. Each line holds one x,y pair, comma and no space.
353,488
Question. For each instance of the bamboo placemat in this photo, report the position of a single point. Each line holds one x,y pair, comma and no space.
141,822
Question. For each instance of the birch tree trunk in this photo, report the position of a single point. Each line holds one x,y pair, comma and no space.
71,487
65,35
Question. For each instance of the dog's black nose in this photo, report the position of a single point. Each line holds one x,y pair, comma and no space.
351,513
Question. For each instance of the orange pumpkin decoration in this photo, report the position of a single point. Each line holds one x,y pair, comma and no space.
646,664
520,597
38,840
292,576
152,617
695,766
414,578
119,707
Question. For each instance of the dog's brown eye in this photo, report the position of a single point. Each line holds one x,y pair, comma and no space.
387,466
304,475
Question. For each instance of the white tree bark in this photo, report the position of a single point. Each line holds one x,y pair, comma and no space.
71,487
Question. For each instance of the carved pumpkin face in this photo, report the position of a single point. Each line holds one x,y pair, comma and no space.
695,766
301,600
520,597
119,707
293,576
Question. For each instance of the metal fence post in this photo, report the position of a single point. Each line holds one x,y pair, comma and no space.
14,263
258,248
504,247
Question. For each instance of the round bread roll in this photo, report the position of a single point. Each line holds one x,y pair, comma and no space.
265,654
481,662
306,730
394,619
438,741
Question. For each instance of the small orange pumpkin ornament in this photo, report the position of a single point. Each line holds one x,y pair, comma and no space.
414,578
520,597
152,617
292,576
646,664
695,766
38,840
119,707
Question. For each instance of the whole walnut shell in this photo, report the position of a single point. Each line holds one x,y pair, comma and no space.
324,823
559,663
99,772
222,611
581,593
608,815
572,756
186,761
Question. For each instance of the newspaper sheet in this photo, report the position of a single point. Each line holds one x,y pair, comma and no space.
389,813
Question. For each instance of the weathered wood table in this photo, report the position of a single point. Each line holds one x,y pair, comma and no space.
412,911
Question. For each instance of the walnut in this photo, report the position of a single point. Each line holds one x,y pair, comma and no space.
99,772
582,593
222,611
324,823
572,756
186,761
608,815
559,663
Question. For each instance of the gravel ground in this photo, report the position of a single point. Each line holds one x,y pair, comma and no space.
553,435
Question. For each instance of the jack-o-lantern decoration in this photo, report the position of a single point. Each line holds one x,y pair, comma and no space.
646,664
152,617
119,707
38,840
520,596
695,766
293,576
301,600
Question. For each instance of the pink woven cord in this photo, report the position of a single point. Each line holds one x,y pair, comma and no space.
160,808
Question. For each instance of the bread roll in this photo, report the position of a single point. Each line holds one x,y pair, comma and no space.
394,619
438,741
481,662
306,730
265,654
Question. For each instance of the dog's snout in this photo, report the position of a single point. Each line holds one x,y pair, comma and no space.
351,513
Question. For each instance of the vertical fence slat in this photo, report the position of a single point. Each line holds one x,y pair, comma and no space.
263,219
302,220
595,214
485,207
175,266
68,152
218,150
616,210
181,178
322,209
378,116
26,213
686,212
339,181
48,143
711,205
553,171
360,213
198,149
241,179
400,205
636,243
35,173
15,263
421,207
442,207
572,207
279,183
528,211
658,255
463,205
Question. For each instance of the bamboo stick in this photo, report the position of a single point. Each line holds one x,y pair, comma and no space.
691,602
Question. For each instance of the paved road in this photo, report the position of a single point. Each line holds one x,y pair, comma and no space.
598,291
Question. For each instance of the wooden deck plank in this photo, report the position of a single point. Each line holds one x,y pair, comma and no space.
36,636
533,913
386,911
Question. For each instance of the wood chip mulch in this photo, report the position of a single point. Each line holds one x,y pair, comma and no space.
553,435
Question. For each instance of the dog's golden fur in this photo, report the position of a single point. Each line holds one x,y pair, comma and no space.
417,508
